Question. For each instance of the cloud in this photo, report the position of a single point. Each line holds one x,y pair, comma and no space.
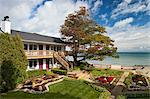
104,17
125,7
97,4
148,7
124,22
128,1
131,38
46,19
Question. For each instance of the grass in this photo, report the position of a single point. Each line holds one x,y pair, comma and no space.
128,79
106,72
35,73
67,89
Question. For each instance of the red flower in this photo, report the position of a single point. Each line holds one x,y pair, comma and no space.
102,79
109,79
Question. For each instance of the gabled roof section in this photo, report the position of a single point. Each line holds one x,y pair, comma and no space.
26,36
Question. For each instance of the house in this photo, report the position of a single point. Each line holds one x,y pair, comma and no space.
43,52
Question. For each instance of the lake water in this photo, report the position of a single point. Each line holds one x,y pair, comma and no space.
127,59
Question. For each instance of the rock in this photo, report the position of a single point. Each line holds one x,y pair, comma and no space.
40,88
19,86
28,82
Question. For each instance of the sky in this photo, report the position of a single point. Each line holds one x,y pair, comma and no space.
126,21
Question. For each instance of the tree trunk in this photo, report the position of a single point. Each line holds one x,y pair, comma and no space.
75,60
75,52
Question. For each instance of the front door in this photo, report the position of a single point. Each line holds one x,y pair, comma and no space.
47,64
41,64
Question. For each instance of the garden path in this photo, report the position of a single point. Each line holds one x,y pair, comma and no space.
120,85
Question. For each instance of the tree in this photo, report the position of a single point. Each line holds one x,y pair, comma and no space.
13,62
81,30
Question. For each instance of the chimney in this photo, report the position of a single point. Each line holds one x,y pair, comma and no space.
6,25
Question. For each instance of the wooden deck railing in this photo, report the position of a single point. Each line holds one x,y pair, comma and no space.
39,54
60,56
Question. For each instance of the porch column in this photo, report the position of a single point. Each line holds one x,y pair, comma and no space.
52,62
37,66
44,63
28,47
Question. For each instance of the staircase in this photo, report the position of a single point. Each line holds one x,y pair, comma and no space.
61,60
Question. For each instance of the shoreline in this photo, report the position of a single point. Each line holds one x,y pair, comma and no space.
143,70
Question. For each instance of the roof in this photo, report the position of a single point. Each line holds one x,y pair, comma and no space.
26,36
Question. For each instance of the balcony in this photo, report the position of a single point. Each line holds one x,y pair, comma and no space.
34,54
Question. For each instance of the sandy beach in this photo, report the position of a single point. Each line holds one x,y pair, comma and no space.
143,70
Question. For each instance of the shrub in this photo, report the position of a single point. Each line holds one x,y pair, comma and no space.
9,75
59,71
12,61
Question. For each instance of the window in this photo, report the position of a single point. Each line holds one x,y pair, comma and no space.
35,63
25,46
35,47
30,47
40,47
52,48
30,64
47,47
55,48
59,48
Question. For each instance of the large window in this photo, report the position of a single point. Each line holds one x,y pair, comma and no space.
40,47
55,48
59,48
35,47
52,48
25,46
47,47
30,47
32,63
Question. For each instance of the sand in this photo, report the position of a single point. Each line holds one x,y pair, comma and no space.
134,69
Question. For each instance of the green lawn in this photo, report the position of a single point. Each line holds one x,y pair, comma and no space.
67,89
106,72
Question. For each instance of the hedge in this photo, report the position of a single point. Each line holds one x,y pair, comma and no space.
59,71
35,73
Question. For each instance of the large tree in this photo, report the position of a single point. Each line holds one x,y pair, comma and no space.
13,62
81,30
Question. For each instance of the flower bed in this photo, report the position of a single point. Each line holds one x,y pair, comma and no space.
136,83
38,85
104,79
139,80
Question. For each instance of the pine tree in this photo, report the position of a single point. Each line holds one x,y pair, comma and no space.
81,30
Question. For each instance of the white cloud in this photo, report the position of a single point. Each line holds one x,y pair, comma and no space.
47,19
131,38
124,22
97,4
128,1
104,17
125,7
148,7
